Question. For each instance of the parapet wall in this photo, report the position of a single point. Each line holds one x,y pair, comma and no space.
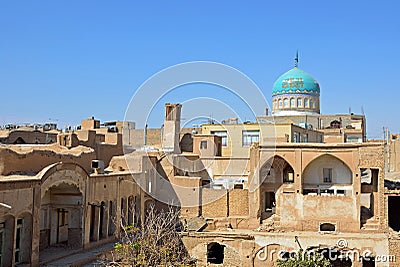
32,159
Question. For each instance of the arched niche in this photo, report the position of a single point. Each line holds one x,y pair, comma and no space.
327,169
327,175
276,170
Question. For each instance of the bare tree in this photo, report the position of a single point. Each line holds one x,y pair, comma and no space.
156,242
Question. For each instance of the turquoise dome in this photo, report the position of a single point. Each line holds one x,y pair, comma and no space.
296,81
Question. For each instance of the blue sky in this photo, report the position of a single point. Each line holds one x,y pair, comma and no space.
67,60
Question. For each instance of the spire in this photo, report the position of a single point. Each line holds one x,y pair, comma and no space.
296,59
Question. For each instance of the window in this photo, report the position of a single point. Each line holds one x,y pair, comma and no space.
293,102
327,227
327,192
296,137
288,175
305,138
280,103
224,136
299,102
353,139
62,217
310,192
249,137
203,144
311,103
306,105
341,192
238,186
327,172
286,103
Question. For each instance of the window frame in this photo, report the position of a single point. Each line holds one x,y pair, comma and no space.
203,144
223,135
286,103
306,103
249,137
293,103
327,175
299,102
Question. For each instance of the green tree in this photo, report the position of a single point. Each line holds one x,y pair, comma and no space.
305,259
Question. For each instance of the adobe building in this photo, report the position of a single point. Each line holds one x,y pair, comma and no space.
29,134
247,193
295,192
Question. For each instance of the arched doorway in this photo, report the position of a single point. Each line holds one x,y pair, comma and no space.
61,216
215,253
274,173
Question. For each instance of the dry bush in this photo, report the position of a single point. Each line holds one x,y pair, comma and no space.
155,243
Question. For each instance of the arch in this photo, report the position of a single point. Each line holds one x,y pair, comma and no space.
62,220
299,102
19,141
286,103
280,103
335,124
49,177
275,169
215,253
186,143
306,103
327,169
112,220
293,102
103,232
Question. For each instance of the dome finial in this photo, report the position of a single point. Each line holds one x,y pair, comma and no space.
296,59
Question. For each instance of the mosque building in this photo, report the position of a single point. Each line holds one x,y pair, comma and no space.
316,184
295,93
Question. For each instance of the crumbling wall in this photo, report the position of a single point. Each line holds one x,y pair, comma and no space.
16,159
29,137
